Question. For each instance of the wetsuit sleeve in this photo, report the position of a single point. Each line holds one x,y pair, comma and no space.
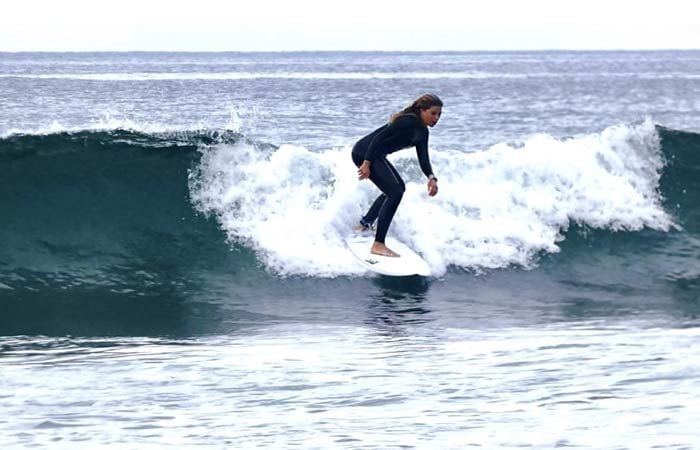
389,133
423,158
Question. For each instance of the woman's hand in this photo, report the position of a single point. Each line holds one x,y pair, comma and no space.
364,172
432,187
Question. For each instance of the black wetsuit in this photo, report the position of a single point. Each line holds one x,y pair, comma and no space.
406,131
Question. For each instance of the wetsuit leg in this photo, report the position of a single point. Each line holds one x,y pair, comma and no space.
388,180
373,211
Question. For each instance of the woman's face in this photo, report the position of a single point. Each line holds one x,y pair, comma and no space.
431,115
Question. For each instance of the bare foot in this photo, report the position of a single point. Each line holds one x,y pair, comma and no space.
382,250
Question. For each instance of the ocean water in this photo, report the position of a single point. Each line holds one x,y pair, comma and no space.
173,273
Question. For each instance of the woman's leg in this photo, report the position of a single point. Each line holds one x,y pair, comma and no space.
373,211
388,180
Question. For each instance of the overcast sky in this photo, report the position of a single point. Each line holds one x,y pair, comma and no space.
282,25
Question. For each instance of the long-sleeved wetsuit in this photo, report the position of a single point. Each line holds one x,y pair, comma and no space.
406,131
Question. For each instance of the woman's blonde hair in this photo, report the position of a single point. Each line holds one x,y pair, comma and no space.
425,101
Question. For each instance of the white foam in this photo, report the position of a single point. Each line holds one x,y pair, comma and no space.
293,206
495,208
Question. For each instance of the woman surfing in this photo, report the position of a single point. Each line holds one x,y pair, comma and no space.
407,128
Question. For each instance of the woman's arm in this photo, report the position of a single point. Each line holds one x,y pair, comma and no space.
423,158
424,161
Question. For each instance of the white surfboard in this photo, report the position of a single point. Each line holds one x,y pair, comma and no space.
409,263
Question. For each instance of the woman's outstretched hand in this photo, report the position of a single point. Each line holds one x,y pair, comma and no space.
432,187
363,171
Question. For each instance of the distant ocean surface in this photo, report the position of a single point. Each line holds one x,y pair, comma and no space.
173,272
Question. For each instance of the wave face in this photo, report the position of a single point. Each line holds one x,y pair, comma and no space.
99,207
680,182
103,209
